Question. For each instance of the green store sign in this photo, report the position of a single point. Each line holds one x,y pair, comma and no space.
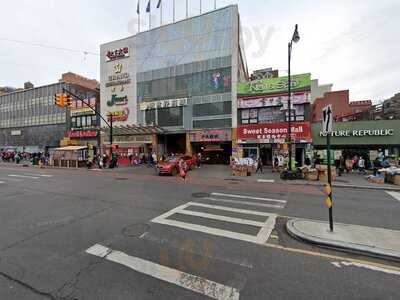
274,85
383,132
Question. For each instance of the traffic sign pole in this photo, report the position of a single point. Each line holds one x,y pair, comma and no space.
328,144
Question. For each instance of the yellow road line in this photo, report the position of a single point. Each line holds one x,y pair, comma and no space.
331,257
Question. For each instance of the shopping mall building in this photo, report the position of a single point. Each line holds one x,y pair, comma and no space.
172,89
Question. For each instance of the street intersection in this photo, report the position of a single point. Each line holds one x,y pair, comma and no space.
79,234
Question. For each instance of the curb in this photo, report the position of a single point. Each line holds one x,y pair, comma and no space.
342,246
359,187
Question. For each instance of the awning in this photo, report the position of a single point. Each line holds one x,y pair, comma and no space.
71,148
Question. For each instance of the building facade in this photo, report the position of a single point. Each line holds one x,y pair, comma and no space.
180,77
341,105
31,122
361,138
263,117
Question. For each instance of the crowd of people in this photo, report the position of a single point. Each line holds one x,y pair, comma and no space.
18,157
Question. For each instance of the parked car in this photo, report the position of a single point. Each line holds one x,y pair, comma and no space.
171,165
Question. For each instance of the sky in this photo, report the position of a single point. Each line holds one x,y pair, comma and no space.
351,43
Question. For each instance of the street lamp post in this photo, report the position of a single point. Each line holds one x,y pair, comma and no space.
295,38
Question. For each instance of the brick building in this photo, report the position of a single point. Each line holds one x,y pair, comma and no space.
73,78
340,103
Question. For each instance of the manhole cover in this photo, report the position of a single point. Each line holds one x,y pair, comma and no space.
135,230
121,178
200,195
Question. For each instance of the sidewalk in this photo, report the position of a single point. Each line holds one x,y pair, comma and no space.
352,180
367,240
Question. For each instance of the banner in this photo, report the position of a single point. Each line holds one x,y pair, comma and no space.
163,103
274,133
274,85
82,134
211,135
273,101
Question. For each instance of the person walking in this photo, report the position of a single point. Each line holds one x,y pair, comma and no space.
361,165
199,160
182,169
259,165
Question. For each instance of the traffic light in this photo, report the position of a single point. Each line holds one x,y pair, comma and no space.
62,100
68,100
59,100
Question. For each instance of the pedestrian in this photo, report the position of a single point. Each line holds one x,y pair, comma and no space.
259,165
361,165
275,163
155,160
182,169
199,160
349,165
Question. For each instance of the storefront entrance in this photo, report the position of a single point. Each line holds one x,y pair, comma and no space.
266,154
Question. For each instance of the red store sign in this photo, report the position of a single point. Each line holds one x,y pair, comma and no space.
82,134
274,133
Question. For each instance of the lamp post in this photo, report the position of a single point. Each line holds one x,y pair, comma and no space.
295,38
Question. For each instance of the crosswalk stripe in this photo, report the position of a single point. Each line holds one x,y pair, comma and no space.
243,202
266,180
221,218
209,230
395,195
22,176
248,197
238,210
40,175
188,281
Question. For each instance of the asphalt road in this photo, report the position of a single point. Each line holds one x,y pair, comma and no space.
78,234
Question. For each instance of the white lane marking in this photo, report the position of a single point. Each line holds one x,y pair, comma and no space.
221,218
266,230
40,175
395,195
188,281
248,197
171,212
1,182
238,210
209,230
23,176
365,266
266,180
243,202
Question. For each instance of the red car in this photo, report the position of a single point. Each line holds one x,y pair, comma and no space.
171,165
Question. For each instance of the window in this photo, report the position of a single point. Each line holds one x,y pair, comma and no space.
150,116
170,116
219,123
249,116
212,109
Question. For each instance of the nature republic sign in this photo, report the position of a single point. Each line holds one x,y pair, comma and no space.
381,132
274,85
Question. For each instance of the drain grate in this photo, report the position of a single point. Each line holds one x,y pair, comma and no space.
135,230
121,178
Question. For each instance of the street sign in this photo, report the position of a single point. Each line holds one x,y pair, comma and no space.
328,202
327,189
327,121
